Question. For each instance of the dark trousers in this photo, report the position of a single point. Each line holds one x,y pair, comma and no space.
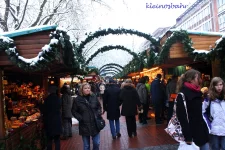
170,111
56,141
158,106
131,125
67,126
143,116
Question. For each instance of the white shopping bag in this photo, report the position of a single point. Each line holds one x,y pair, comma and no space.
184,146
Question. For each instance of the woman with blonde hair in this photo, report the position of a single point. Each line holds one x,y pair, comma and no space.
194,127
130,100
85,107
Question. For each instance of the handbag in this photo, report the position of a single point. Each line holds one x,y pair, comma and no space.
100,122
174,127
184,146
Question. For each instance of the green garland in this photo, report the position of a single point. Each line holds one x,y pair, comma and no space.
111,64
108,67
106,70
110,47
48,54
183,37
118,31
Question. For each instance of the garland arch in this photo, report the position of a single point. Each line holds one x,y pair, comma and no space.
110,47
118,31
111,64
113,67
109,70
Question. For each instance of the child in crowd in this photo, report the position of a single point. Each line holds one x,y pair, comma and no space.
214,112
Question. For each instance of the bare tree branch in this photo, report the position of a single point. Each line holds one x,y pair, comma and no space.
24,11
4,21
54,11
13,15
40,14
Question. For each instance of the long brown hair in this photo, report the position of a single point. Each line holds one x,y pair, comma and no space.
188,76
212,90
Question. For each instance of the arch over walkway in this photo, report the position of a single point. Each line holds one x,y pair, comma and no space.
108,31
108,70
108,67
108,48
111,64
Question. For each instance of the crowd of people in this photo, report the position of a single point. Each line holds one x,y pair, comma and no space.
202,118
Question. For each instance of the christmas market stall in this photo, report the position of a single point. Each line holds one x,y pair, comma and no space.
27,58
182,50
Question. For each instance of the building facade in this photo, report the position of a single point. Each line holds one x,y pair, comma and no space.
203,15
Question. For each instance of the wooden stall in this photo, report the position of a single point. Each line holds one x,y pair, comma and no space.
202,42
29,43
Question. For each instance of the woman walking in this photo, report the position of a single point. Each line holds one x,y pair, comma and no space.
130,100
85,107
194,128
215,105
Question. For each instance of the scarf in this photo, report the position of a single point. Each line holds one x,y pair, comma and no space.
192,87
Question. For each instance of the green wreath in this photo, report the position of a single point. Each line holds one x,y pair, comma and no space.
118,31
110,47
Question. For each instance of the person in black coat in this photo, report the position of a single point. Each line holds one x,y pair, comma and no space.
130,100
111,104
66,111
85,107
158,97
194,128
52,118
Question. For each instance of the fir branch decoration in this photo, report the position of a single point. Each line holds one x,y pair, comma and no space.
110,47
118,31
110,67
111,64
48,54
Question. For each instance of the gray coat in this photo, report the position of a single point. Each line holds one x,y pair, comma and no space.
66,106
142,92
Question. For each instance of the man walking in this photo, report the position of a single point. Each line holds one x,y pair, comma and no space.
111,105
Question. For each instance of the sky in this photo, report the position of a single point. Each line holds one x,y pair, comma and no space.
129,14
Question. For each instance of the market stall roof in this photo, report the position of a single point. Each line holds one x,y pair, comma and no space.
37,50
184,44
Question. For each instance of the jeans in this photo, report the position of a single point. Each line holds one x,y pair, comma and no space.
95,139
67,126
217,142
158,106
205,147
56,141
112,127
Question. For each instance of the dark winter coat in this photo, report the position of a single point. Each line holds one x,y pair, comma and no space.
111,102
82,111
130,100
196,130
157,91
66,105
142,92
52,115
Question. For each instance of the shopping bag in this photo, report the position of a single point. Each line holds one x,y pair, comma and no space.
174,128
184,146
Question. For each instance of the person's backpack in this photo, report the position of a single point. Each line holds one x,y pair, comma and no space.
207,112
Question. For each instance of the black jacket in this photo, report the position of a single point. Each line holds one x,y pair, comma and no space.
84,111
66,105
196,130
130,100
52,115
111,102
